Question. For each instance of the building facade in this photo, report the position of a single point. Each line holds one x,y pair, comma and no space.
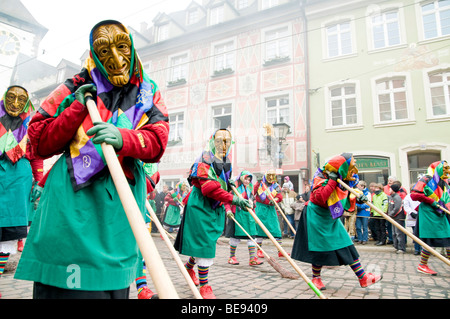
20,33
379,82
236,65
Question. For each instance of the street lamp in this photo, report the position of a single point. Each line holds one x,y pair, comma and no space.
281,130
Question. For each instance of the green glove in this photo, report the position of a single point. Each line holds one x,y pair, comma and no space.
436,209
362,198
106,132
36,192
79,93
241,202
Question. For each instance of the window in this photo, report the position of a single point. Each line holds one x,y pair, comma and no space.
385,30
440,92
436,18
339,39
392,99
224,56
277,43
163,32
216,15
221,116
178,69
193,16
241,4
418,163
343,105
278,109
266,4
176,127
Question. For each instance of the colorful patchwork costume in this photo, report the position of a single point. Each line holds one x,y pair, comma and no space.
321,237
432,225
18,166
81,244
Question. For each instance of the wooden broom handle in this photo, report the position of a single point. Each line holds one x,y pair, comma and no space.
172,250
393,222
153,261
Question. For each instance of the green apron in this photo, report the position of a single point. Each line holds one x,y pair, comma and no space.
247,221
324,232
202,226
268,216
431,225
82,240
172,218
15,193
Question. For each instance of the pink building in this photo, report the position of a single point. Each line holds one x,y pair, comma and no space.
237,65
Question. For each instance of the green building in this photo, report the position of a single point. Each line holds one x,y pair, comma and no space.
379,85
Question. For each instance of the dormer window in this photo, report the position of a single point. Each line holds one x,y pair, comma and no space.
216,15
163,32
193,16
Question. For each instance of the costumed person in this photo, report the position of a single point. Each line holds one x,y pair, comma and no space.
265,208
18,167
205,208
174,199
432,224
244,185
152,178
321,238
80,243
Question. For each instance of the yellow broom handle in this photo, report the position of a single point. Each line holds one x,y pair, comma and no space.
153,261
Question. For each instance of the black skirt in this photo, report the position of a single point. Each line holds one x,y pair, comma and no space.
300,251
13,233
41,291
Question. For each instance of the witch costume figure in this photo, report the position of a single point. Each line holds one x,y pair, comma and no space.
321,238
18,167
432,224
80,243
244,186
174,198
205,208
264,191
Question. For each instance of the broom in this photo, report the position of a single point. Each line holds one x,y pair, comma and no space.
288,258
393,222
158,272
272,262
169,245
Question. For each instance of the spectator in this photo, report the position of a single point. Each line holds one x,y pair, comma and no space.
362,216
288,181
395,210
298,206
379,200
288,199
373,234
411,209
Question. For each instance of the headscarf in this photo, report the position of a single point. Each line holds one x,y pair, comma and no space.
338,200
209,167
240,183
132,106
433,185
13,130
265,188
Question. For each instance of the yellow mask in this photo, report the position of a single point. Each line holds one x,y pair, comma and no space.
15,101
222,143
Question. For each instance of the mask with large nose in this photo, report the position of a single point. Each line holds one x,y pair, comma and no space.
112,45
16,99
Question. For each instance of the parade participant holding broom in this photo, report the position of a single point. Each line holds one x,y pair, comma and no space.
174,198
244,186
16,173
321,237
267,192
80,244
205,206
432,225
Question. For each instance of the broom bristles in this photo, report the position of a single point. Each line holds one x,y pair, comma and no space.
283,272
